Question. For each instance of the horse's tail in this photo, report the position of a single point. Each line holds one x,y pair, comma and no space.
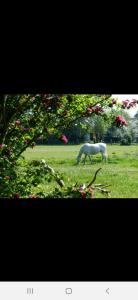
80,154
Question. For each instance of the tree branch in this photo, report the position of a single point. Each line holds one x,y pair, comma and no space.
32,140
11,118
77,117
93,178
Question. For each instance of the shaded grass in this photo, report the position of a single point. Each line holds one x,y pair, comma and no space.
121,170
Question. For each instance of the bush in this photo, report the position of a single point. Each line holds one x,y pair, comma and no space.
126,140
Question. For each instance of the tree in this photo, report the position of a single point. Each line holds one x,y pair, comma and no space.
115,133
135,127
97,126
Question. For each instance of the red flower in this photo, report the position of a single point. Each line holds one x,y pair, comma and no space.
98,109
132,104
16,195
27,141
124,122
89,110
120,121
83,194
63,138
17,122
125,103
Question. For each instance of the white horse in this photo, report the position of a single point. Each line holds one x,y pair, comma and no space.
89,149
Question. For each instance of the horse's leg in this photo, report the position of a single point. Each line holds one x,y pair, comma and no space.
84,159
104,157
90,159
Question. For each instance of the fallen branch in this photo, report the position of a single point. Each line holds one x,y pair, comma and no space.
90,184
53,173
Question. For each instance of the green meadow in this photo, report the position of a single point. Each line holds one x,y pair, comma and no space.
120,171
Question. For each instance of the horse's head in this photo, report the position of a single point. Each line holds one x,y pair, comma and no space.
78,159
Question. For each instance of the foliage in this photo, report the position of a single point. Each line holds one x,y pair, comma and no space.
79,190
126,140
115,132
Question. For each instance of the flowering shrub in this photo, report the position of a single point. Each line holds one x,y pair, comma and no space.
27,176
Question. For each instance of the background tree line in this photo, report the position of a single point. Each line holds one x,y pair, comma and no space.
96,129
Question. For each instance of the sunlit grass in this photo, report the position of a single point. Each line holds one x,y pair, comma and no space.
121,170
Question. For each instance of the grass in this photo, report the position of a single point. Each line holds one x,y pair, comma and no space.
121,170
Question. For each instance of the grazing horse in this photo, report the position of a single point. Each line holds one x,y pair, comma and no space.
89,149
